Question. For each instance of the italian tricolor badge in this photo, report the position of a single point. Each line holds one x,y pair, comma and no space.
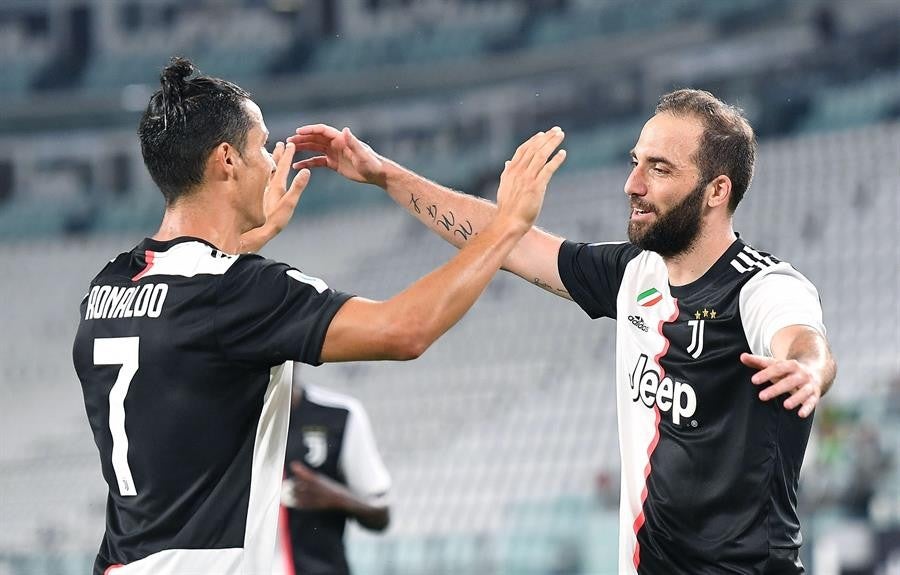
649,297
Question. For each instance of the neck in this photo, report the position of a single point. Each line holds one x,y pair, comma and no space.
691,264
197,217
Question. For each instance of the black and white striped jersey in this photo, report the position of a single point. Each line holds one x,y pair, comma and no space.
709,471
331,434
185,359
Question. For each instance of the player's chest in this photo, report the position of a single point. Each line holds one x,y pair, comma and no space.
692,328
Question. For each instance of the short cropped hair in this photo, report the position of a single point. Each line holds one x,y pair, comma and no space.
184,122
728,144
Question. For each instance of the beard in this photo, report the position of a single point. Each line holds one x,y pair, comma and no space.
673,232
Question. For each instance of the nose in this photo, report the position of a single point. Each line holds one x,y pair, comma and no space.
635,185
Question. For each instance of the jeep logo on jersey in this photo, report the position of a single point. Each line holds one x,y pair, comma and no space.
667,394
316,446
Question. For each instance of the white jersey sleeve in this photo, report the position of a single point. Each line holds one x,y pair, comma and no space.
360,462
774,299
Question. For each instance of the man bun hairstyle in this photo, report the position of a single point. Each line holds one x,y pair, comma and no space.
727,145
184,121
172,81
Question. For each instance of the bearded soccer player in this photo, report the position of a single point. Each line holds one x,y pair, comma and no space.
185,348
721,354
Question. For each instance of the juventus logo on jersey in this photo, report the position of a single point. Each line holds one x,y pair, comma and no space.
316,446
749,259
697,328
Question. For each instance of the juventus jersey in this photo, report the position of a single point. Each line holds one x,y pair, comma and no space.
709,471
330,433
185,359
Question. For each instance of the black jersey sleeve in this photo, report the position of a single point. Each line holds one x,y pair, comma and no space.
592,273
269,312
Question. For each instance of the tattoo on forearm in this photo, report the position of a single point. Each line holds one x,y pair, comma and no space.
414,202
447,220
464,230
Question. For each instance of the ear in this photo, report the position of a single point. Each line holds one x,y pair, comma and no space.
222,161
721,191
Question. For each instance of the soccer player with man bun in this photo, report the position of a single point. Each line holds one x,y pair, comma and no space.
186,341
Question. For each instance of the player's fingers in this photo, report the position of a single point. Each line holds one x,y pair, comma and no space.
524,147
785,385
314,162
545,149
303,138
309,144
297,186
756,361
299,469
550,167
319,129
283,165
531,149
799,396
277,152
772,373
809,405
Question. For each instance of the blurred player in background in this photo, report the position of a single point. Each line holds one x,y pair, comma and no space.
184,348
709,330
334,473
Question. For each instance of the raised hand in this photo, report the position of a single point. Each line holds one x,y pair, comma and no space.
341,151
524,179
279,201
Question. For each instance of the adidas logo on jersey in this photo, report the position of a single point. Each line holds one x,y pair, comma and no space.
638,322
666,393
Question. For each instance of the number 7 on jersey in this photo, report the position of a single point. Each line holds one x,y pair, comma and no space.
119,351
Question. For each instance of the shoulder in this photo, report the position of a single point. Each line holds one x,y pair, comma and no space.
604,257
620,249
118,266
765,268
258,267
253,263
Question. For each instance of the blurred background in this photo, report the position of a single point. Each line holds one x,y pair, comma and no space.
502,439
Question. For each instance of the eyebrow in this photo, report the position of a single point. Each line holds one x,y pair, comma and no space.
656,159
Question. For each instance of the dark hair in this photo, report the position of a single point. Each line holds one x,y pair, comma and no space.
185,120
727,146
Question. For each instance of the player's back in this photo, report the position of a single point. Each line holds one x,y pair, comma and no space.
188,409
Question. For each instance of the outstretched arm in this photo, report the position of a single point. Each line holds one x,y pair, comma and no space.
405,325
454,216
802,367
